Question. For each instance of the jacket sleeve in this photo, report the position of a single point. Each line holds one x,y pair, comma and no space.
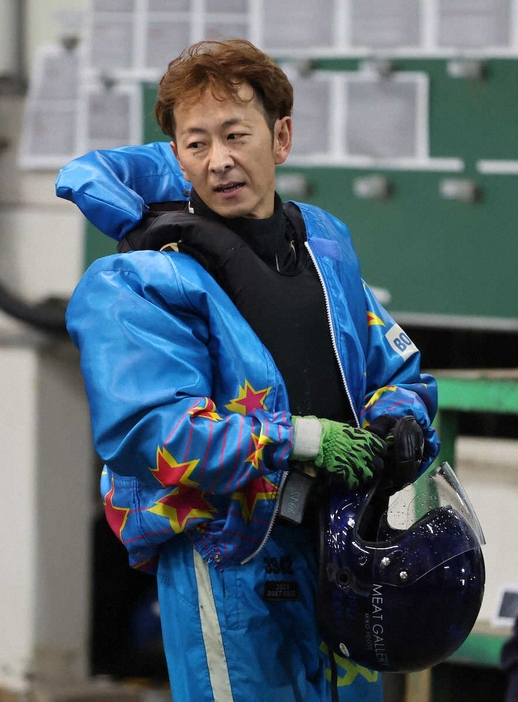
113,187
159,412
395,384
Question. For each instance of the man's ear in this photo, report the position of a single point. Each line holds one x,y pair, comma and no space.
282,139
175,152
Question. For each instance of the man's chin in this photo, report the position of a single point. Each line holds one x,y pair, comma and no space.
231,211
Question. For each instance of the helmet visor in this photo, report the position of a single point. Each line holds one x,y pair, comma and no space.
426,525
438,487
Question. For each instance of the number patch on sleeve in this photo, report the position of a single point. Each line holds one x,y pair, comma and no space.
400,342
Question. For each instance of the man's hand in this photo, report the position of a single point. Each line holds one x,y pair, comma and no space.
405,449
349,454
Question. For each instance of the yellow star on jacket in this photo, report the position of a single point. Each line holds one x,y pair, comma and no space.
373,319
257,454
207,409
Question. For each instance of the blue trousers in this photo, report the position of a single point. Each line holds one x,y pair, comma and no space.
249,632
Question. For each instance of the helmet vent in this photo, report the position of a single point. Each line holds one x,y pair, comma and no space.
344,650
343,578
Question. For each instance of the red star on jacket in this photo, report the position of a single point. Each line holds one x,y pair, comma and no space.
169,472
181,505
248,399
116,516
258,489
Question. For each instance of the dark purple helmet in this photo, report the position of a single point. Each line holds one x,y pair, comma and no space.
401,579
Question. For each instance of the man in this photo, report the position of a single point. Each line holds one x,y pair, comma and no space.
233,351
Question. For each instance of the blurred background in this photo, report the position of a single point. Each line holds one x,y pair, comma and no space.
405,127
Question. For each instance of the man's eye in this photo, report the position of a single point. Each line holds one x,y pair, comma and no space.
194,145
236,135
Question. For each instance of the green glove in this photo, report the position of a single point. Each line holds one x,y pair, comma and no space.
348,453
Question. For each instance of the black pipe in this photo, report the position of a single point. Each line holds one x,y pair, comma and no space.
46,316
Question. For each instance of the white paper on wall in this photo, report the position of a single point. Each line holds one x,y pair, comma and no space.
240,6
110,117
385,23
169,5
297,25
381,119
114,5
50,136
110,41
470,24
311,116
59,76
165,37
49,130
218,30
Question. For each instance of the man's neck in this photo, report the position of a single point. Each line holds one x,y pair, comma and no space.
267,237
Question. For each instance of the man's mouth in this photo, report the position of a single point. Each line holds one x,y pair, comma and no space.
228,187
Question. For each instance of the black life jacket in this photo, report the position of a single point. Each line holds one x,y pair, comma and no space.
286,310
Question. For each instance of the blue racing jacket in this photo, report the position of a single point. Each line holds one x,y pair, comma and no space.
189,411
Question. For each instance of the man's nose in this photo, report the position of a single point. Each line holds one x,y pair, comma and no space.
220,157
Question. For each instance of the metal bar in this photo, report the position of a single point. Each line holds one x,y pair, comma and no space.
479,394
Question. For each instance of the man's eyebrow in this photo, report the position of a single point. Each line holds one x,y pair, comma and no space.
235,120
232,122
193,130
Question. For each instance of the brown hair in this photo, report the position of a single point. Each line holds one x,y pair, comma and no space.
223,66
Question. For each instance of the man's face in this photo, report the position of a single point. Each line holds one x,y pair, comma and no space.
227,151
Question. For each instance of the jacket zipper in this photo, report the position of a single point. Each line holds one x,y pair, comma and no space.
272,522
346,387
332,332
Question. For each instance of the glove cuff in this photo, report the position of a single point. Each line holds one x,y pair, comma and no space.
307,435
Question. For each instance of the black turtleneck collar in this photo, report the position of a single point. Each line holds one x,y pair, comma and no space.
268,238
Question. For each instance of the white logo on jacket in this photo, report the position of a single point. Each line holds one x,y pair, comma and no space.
400,342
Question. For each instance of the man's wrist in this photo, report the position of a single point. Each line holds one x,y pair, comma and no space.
307,436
